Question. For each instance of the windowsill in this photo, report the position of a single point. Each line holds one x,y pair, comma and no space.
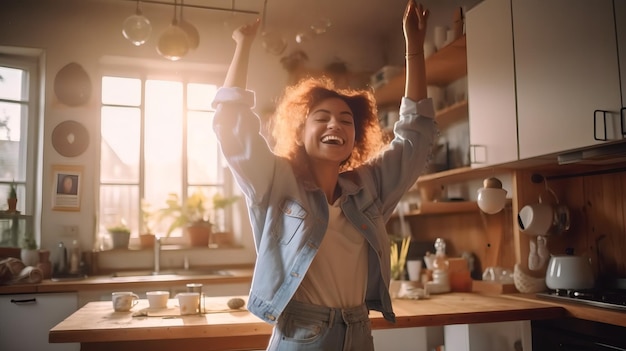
173,257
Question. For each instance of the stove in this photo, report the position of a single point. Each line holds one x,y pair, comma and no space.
613,299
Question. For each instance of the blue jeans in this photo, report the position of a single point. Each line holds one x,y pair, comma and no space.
306,327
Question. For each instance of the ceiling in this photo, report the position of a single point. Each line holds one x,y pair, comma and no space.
365,17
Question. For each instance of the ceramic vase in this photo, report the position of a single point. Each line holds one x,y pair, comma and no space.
30,257
120,240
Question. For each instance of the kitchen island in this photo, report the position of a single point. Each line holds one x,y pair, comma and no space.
97,327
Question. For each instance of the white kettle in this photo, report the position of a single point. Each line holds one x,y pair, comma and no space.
569,272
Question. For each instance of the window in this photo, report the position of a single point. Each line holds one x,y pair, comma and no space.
156,139
19,123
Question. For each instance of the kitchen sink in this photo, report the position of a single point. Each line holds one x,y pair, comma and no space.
182,272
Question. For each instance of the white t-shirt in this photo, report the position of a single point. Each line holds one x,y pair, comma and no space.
338,274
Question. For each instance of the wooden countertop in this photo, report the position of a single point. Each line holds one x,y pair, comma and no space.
96,325
107,282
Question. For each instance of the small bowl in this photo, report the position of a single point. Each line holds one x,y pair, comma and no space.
491,200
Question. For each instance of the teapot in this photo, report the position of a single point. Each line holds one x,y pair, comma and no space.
569,272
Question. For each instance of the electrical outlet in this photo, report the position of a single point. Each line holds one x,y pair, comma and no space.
70,231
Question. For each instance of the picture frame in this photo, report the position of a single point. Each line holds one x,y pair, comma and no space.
66,187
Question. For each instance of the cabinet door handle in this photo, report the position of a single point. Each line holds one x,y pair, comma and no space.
622,115
474,157
24,302
595,125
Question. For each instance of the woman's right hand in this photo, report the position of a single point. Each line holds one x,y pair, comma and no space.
245,34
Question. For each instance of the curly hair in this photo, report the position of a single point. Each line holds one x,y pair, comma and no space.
298,100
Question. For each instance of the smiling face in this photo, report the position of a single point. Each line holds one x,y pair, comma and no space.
328,133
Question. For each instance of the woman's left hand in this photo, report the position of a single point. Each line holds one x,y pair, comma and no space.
415,23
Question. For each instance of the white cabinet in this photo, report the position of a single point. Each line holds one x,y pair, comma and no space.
408,339
26,319
490,84
620,28
504,336
540,75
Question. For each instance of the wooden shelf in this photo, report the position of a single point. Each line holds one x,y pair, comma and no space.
456,175
442,68
452,114
443,207
447,207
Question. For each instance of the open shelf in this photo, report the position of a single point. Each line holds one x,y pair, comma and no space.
452,114
442,68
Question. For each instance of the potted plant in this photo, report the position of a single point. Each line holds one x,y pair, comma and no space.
221,235
194,215
120,235
146,236
399,250
12,198
29,253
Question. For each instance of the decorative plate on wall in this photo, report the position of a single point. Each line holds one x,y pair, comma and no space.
70,138
72,85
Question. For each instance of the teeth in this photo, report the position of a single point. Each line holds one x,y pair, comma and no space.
332,139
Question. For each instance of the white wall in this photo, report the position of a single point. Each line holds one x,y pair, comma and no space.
89,32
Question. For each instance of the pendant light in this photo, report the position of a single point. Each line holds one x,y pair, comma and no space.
173,42
273,42
137,27
192,33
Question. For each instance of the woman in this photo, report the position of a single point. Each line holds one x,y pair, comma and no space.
318,199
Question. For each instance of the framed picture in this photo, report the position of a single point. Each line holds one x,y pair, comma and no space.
66,187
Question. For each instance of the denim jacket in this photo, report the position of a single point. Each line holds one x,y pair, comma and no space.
289,216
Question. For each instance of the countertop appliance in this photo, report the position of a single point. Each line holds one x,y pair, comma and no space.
610,298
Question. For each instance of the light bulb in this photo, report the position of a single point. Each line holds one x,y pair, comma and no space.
274,43
173,43
137,29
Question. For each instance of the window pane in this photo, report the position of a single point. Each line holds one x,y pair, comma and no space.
13,84
119,160
200,96
163,141
121,91
119,205
202,150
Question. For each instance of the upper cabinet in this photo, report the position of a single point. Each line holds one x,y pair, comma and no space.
620,28
490,84
543,77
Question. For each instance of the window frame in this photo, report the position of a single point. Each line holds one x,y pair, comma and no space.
145,70
29,177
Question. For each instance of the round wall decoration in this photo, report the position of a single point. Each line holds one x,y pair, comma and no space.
70,138
72,85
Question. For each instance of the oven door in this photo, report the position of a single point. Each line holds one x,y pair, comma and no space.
577,335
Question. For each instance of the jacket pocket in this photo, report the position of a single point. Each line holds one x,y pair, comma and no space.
290,220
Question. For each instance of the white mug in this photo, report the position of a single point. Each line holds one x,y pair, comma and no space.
414,268
188,302
123,301
536,219
157,299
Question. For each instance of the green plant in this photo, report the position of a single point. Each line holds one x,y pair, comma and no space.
13,191
29,243
120,228
197,210
147,217
398,257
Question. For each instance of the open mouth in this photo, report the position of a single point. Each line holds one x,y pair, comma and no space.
332,140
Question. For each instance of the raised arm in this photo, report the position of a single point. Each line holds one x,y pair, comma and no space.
237,74
415,23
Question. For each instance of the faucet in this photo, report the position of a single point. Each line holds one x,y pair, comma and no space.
157,256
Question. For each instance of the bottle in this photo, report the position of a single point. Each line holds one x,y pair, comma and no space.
61,259
75,258
440,266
